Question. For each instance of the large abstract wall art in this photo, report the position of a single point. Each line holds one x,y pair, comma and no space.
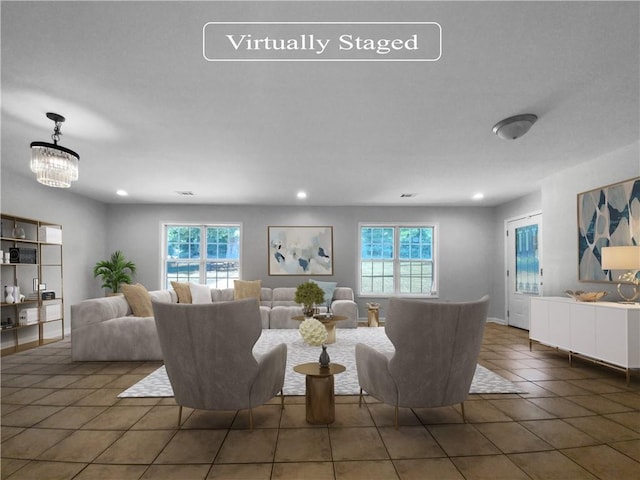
300,250
607,216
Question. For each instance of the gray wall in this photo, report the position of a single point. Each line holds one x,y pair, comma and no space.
465,237
84,225
471,240
559,222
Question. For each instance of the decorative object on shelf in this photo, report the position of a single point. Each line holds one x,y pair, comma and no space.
627,259
605,216
48,295
7,257
22,255
514,127
114,271
581,296
54,165
309,294
300,250
18,232
9,298
314,333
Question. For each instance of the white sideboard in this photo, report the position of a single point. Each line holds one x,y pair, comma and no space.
606,332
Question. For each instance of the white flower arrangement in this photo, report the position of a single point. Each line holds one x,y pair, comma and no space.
313,332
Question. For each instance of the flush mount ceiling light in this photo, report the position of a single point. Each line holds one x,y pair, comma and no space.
514,127
54,166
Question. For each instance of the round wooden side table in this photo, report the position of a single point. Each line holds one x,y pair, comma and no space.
320,397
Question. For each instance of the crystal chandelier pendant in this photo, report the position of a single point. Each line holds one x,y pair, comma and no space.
54,165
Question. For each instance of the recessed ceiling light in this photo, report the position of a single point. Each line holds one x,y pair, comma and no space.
122,193
302,195
185,193
478,196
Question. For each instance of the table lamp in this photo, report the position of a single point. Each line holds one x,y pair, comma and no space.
624,258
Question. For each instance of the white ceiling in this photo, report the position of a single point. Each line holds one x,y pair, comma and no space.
148,114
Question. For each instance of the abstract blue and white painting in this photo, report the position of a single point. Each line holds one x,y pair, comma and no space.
300,250
607,216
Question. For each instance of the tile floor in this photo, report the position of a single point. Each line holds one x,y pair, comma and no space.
63,420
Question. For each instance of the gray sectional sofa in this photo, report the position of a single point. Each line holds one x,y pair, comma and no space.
105,329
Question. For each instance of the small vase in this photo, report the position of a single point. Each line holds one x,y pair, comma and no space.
324,358
18,232
9,298
307,311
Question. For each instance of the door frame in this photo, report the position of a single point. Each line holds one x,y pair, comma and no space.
506,257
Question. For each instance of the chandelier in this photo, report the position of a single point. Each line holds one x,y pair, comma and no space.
54,166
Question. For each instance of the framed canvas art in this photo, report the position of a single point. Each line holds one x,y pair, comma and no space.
300,250
607,216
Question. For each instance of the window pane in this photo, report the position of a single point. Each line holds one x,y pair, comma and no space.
194,245
416,243
414,260
222,274
416,277
223,243
527,260
182,272
376,243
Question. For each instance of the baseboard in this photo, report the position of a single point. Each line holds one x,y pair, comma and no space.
363,322
496,320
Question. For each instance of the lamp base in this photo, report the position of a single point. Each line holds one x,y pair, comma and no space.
633,287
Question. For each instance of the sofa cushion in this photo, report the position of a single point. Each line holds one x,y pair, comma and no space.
247,289
200,293
183,291
284,297
138,298
280,317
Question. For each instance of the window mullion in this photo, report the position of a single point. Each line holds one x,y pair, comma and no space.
396,260
203,254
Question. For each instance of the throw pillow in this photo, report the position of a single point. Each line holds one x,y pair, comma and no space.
200,293
328,288
183,291
138,298
247,289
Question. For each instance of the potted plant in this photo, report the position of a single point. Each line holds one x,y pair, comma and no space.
114,271
308,294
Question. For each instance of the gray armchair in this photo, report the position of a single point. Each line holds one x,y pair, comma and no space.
207,351
436,351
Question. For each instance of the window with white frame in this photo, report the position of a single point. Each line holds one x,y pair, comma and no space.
204,254
397,260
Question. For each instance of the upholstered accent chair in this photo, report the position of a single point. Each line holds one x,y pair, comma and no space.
207,351
436,352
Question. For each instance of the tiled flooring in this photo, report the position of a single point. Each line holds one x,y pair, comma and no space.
63,420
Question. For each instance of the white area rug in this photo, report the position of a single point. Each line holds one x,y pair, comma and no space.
157,383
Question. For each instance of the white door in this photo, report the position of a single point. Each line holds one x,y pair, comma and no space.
524,267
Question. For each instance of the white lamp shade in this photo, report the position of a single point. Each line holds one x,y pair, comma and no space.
621,258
